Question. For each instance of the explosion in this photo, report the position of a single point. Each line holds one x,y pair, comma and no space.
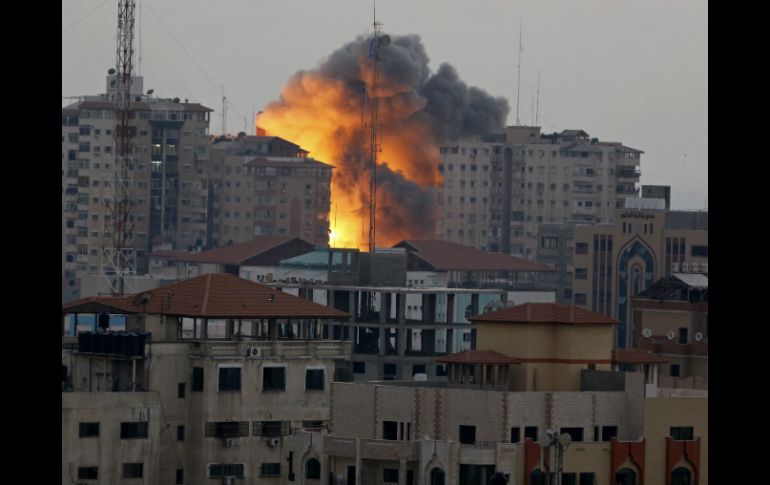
325,111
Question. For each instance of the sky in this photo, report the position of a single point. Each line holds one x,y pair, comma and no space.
622,70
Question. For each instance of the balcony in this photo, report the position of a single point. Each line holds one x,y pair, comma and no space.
278,349
628,172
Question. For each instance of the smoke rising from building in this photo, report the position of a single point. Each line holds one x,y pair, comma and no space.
324,110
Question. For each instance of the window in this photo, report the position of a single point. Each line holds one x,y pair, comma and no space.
88,473
581,248
390,475
681,433
609,432
226,429
581,273
674,372
441,370
313,469
272,429
133,430
701,251
389,430
575,433
389,371
515,435
227,470
588,478
580,298
682,335
467,434
132,470
314,379
359,367
531,433
179,476
569,478
270,470
180,390
197,379
89,430
274,379
229,379
418,369
180,433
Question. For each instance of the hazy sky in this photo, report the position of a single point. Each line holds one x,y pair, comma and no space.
622,70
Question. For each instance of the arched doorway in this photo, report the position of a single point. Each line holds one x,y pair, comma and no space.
681,476
537,477
312,469
437,476
625,476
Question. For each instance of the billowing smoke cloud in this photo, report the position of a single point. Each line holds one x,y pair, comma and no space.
325,111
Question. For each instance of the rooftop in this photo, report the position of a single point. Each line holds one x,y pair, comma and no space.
636,356
237,254
214,295
449,256
545,313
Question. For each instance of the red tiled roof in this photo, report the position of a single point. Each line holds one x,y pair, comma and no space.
636,356
449,256
545,313
168,253
487,357
215,295
237,253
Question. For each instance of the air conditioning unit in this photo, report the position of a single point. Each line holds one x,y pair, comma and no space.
273,442
253,352
228,480
229,442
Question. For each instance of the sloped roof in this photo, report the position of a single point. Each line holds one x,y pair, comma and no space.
214,295
636,356
693,280
481,357
236,254
449,256
545,313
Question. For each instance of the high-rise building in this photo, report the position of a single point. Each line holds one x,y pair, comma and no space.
267,186
170,152
496,191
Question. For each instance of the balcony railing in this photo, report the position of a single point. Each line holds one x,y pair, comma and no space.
279,349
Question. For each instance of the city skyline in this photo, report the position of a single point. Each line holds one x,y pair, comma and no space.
630,73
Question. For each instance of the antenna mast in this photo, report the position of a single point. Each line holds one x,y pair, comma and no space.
373,47
224,112
537,108
118,254
518,84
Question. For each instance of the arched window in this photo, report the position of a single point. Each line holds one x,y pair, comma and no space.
437,476
681,476
625,476
537,477
313,469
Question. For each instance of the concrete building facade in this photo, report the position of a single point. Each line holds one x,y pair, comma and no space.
170,149
495,193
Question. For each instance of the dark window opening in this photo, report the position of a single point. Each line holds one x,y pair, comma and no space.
674,370
226,429
88,473
226,470
467,434
389,430
180,433
272,429
683,335
274,379
133,430
569,478
389,372
359,367
89,430
179,476
609,432
515,435
418,369
314,379
575,433
132,470
390,475
441,370
180,390
229,379
270,470
313,469
531,433
681,433
588,478
197,380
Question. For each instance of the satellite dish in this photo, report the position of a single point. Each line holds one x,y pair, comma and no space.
698,337
647,332
111,71
143,298
671,335
176,100
565,439
384,40
150,91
